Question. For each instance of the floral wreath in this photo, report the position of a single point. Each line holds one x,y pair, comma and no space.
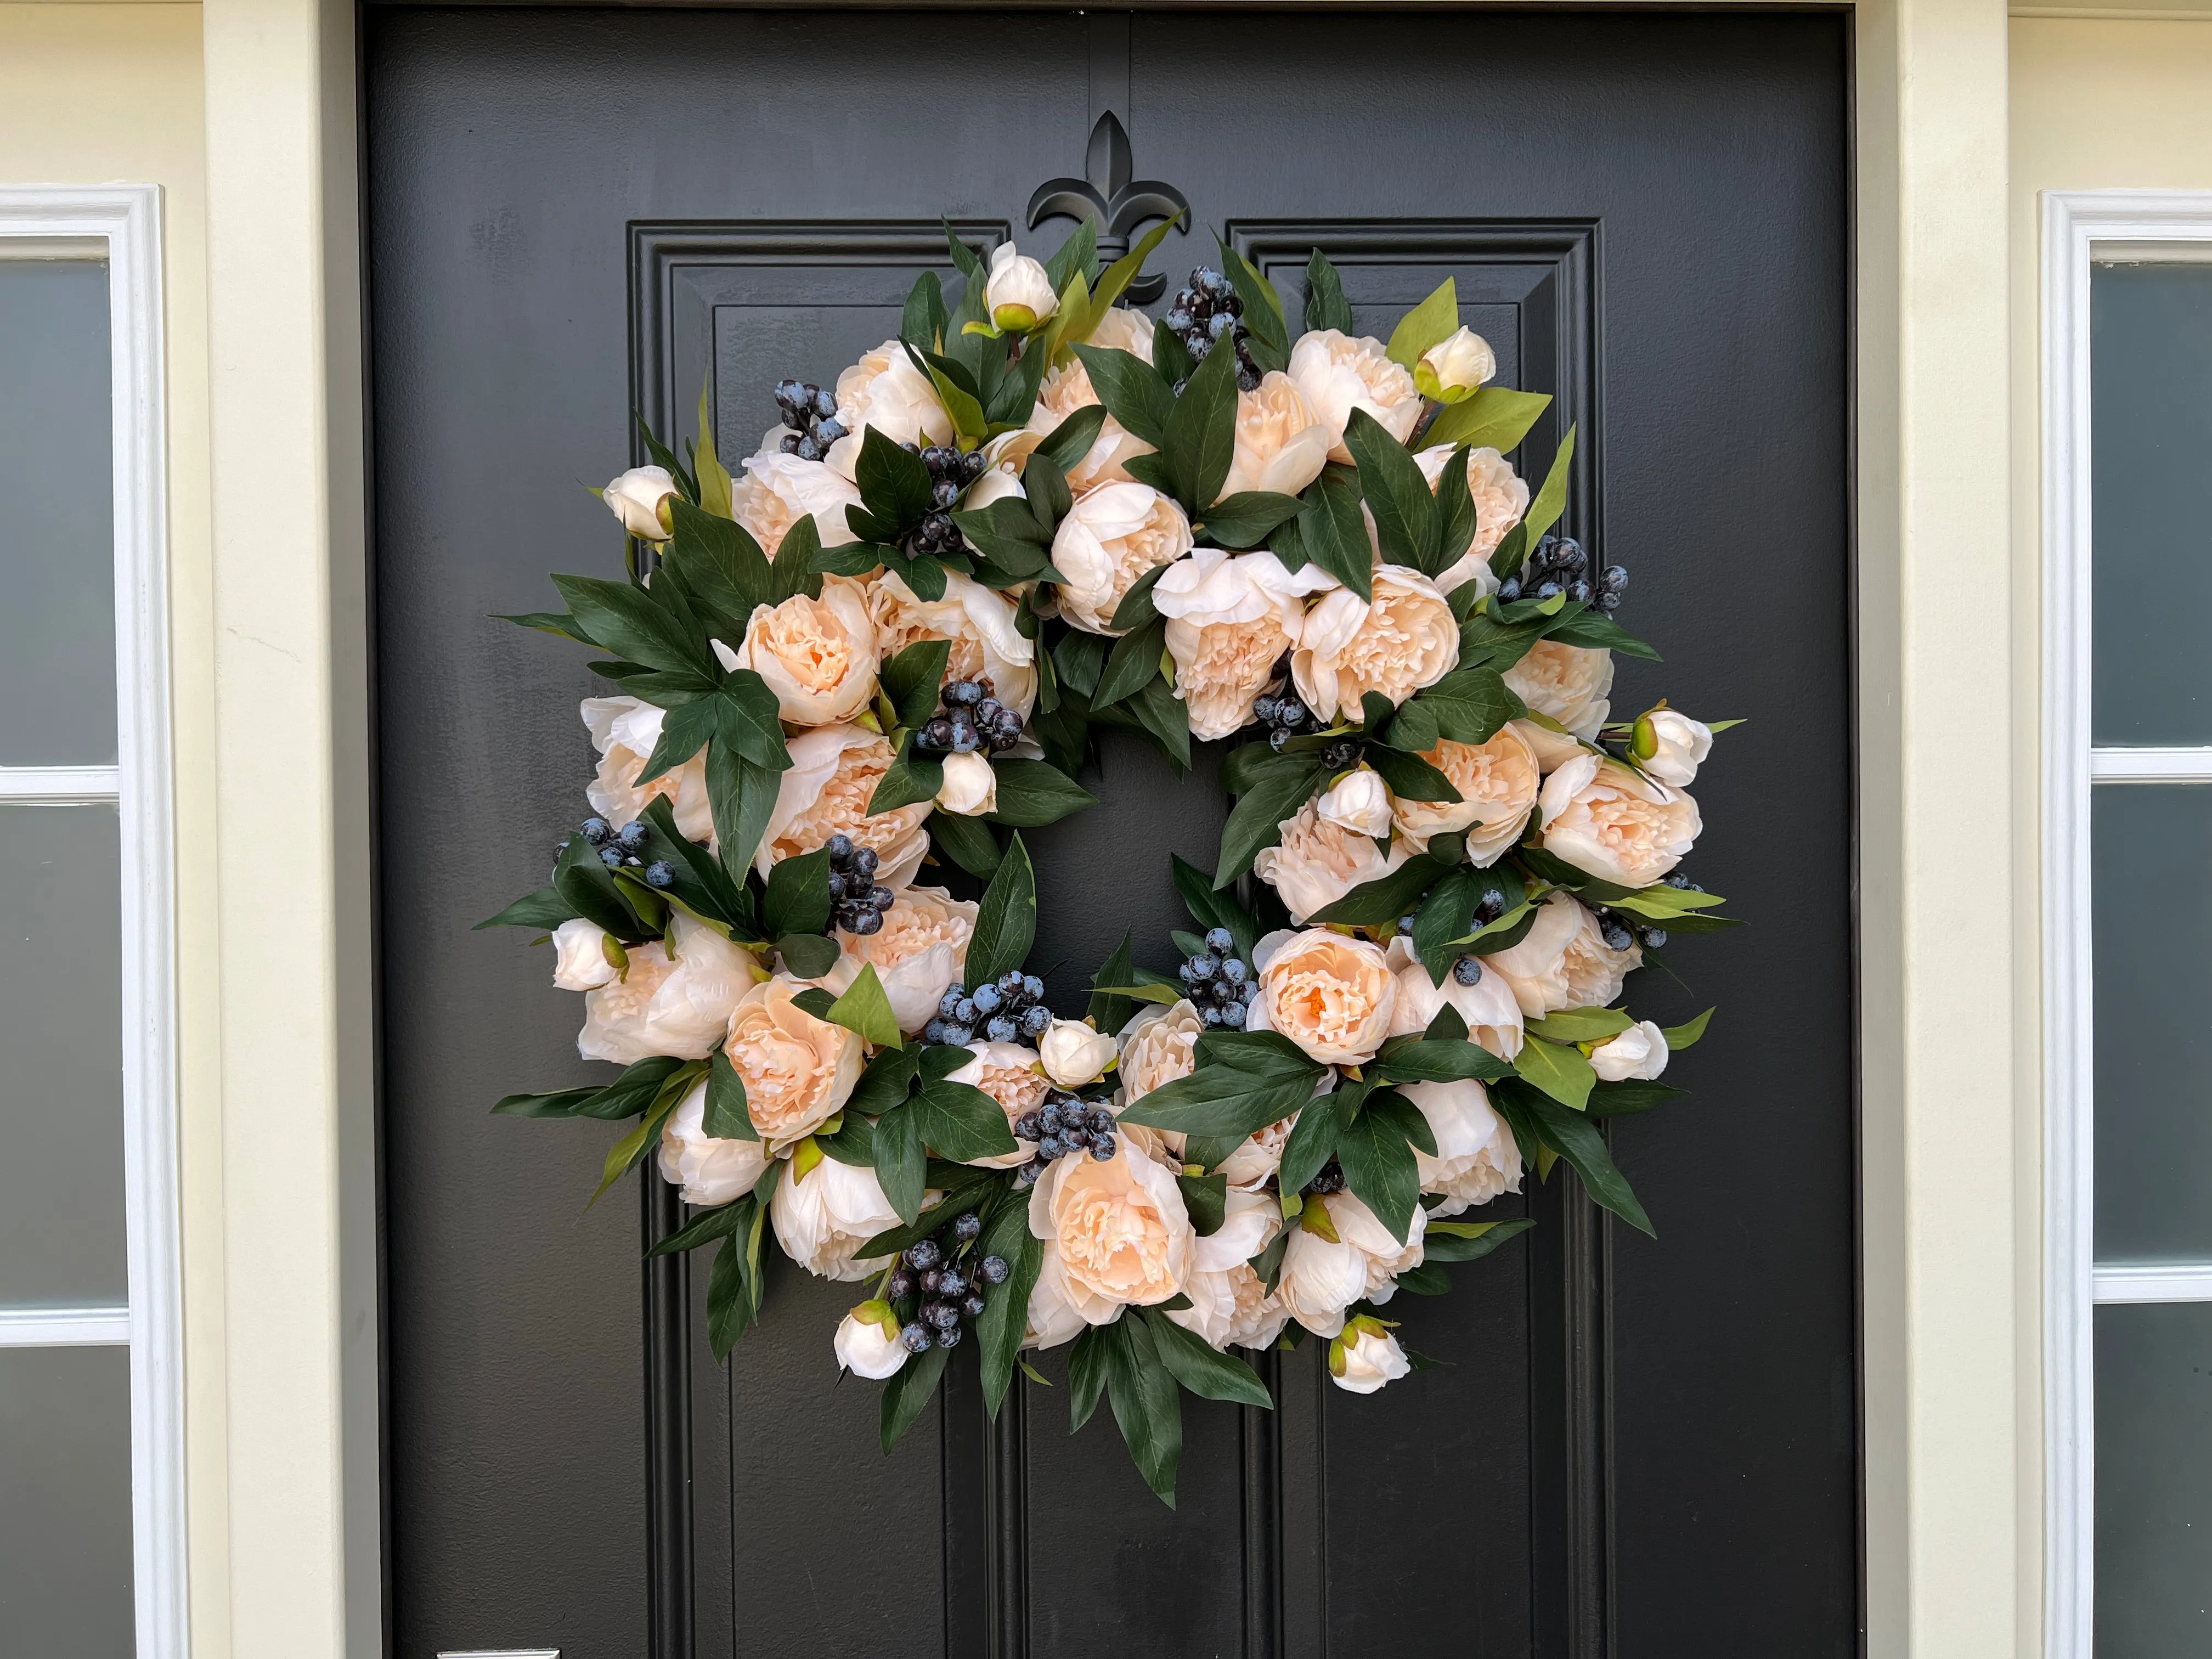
883,643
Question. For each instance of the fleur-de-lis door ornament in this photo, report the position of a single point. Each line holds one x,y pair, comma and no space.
1118,203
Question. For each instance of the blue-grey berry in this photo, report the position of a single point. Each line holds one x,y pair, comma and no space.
1002,1028
1233,970
1032,986
959,1036
950,1336
1036,1022
972,1306
967,1226
934,1031
596,831
924,1254
988,998
914,1339
1103,1148
996,1270
631,836
1468,970
1051,1148
611,857
660,873
1201,969
1232,1015
1220,941
839,849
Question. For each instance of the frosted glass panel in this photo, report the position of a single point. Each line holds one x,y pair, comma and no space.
2153,1481
65,1502
2153,862
60,1058
57,532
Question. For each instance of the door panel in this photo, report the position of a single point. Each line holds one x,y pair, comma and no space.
1633,1447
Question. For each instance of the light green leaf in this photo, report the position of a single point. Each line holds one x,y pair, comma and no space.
1496,417
1560,1071
1552,500
1581,1025
1428,323
1681,1036
865,1008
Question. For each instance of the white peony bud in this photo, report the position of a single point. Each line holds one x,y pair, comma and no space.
1638,1053
1671,747
582,961
867,1341
1359,802
1019,294
1451,370
970,786
640,499
1073,1053
1000,483
1365,1356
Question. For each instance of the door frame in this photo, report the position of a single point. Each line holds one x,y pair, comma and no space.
1947,1389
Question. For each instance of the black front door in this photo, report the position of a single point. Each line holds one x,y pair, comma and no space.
1636,1448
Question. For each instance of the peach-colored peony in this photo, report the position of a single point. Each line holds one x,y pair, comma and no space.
1497,782
833,773
1009,1074
798,1070
624,730
987,641
1595,970
921,950
1052,1316
1553,749
1158,1045
614,1013
1604,819
885,391
774,492
1229,621
1330,994
1501,497
1488,1008
1111,537
1339,373
1119,1227
1477,1158
818,656
1068,388
1405,639
1260,1154
1281,444
1569,683
1318,862
1536,967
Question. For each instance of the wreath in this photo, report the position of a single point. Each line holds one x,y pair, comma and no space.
848,675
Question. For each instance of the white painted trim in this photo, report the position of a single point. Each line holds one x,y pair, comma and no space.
128,218
59,785
64,1327
2075,225
2161,1281
2150,765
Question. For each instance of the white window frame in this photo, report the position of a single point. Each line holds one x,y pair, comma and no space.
122,224
2080,230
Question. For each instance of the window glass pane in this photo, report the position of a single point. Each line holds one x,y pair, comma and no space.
61,1084
2151,430
56,535
2152,860
2153,1481
65,1502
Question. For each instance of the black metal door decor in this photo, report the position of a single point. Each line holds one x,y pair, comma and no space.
844,678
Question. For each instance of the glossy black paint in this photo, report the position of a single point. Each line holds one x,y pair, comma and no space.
1640,1448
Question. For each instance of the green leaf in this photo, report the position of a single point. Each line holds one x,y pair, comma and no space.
1410,777
1456,508
866,1009
967,841
1680,1037
854,1141
908,1391
1594,631
1200,441
1428,324
1086,1374
1332,534
1238,1088
1131,390
1468,705
1146,1407
808,955
1134,663
1626,1099
1211,906
1114,280
910,778
1581,1025
633,1091
1005,921
1377,1154
1172,358
704,1229
1430,1061
1386,898
999,1333
543,908
1278,785
1206,1198
1032,793
742,797
1580,1143
1406,525
746,720
561,1102
1469,1240
1270,338
1444,915
1078,254
1313,1139
558,623
589,888
1562,1072
900,1168
701,883
1135,610
895,486
798,899
913,678
1552,500
1248,517
727,1117
1204,1369
729,1300
884,1084
1326,306
961,1123
631,1151
1006,536
717,560
1496,417
1071,440
634,625
964,257
1110,1009
921,326
1047,494
1156,711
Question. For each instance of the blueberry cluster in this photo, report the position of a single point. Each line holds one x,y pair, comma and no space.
1330,1179
1559,565
1284,716
619,849
1207,313
1620,931
855,901
949,473
1008,1009
1219,984
973,720
810,413
943,1274
1064,1125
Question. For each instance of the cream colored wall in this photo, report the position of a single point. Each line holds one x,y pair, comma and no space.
113,92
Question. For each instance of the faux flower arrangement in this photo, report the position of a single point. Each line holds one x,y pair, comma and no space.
879,648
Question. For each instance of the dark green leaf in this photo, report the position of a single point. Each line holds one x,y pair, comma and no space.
1206,1198
1007,535
894,484
900,1166
1270,339
970,263
1277,788
1580,1143
1135,610
1444,917
743,797
960,1122
1377,1154
807,955
1005,921
631,624
1386,898
854,1142
1172,358
1048,497
1326,306
729,1302
1211,906
727,1117
1595,631
1147,1408
1406,525
561,1102
1071,440
967,841
1563,1073
913,678
885,1083
1248,517
543,908
999,1333
1131,390
1334,534
1455,506
1200,441
1134,662
718,560
546,621
797,900
633,1092
1426,1061
589,888
1079,252
1470,705
908,1391
912,777
1205,1370
1313,1139
1410,777
1032,793
705,1228
1469,1240
922,323
1626,1099
1086,1374
1234,1091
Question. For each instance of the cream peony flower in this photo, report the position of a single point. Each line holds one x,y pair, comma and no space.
885,391
1454,368
1569,683
1119,1228
614,1014
1229,621
1497,782
1638,1053
1602,818
1406,638
1358,801
1281,444
1365,1358
777,491
1678,747
676,999
818,656
624,730
1477,1157
1064,390
1318,862
1019,293
798,1071
1073,1053
1536,967
1501,498
1260,1154
711,1171
985,637
833,772
640,499
998,483
970,787
1594,970
580,957
824,1217
1124,329
1111,537
1553,749
1339,373
1010,1074
1158,1045
867,1342
1331,995
1322,1276
1053,1317
920,952
1387,1254
1488,1007
1229,1301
